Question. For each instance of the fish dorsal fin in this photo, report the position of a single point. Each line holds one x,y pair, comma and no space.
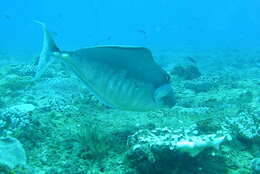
112,53
137,61
143,54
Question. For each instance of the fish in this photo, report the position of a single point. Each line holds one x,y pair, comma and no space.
109,38
122,77
5,16
141,31
192,60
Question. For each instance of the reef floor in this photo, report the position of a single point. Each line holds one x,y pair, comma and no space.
66,130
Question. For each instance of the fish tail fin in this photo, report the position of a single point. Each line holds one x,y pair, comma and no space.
49,49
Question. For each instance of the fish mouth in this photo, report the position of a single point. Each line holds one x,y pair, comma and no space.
164,96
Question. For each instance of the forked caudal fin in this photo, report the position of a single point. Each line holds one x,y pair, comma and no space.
46,55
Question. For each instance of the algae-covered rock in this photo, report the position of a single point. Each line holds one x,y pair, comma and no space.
189,72
12,153
256,166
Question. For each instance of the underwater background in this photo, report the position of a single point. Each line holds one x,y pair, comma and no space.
54,125
158,24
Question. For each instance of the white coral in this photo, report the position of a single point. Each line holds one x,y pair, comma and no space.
174,140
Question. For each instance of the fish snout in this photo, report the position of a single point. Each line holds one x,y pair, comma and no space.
164,96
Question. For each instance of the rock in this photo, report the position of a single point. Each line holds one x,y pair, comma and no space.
12,152
255,166
188,72
24,108
200,87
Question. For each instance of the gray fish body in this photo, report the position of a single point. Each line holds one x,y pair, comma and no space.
126,78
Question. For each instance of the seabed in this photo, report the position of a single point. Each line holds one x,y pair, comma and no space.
65,130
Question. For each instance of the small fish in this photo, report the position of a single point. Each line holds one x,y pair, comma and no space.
122,77
109,37
192,60
141,31
54,33
6,16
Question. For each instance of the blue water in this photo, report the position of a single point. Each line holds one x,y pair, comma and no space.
165,24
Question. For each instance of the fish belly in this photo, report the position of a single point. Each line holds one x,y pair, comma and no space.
115,88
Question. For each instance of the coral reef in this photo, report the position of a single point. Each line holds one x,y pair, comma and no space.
245,125
15,118
64,129
23,69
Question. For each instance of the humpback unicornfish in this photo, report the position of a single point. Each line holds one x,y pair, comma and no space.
122,77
